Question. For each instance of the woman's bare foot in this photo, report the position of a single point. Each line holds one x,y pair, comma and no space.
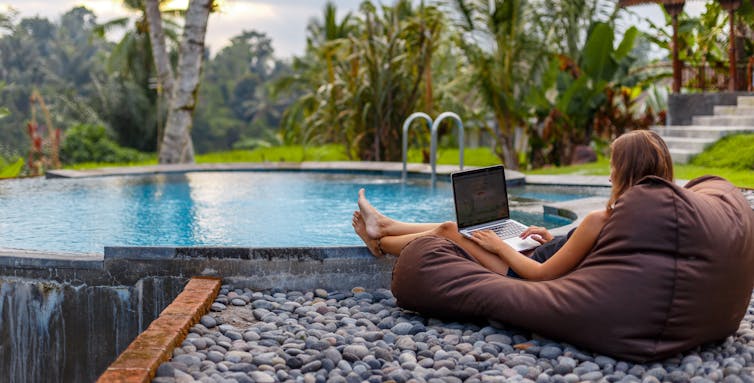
374,220
359,226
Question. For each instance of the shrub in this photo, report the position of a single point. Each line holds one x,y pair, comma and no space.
92,143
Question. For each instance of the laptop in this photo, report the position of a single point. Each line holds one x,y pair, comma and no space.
481,201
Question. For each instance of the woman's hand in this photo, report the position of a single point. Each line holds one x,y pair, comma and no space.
537,233
488,240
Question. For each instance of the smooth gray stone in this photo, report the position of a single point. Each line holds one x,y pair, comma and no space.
604,361
233,335
591,376
263,304
406,343
386,323
498,338
402,328
202,343
251,336
165,370
358,350
215,357
657,372
332,354
586,367
242,367
265,358
188,360
517,360
261,377
238,357
208,321
550,352
217,307
294,362
311,366
371,336
677,377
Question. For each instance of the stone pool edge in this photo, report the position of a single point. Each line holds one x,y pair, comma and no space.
366,167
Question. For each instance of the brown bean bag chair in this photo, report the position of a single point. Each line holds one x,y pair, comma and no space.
673,268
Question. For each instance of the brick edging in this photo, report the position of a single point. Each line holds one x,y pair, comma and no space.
140,360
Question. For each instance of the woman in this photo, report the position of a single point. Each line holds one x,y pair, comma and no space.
635,155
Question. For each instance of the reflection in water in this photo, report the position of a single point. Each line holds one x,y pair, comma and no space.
225,209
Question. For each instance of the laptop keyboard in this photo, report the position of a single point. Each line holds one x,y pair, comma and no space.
507,229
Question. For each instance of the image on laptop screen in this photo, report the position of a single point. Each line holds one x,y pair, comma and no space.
480,196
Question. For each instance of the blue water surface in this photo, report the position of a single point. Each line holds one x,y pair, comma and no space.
248,209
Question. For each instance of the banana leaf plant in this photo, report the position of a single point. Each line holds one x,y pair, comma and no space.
572,92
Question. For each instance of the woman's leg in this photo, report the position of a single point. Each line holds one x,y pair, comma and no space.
382,235
394,244
378,225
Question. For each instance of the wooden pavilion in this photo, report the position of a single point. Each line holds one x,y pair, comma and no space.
674,8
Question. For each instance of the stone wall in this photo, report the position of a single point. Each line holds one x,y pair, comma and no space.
682,107
66,320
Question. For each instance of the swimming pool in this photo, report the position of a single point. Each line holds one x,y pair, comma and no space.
246,209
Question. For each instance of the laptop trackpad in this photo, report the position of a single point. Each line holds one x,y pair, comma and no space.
522,244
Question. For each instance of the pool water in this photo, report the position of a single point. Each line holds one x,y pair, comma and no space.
247,209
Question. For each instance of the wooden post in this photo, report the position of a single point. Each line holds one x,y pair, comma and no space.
675,9
731,6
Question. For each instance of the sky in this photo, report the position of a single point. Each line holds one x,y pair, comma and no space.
283,20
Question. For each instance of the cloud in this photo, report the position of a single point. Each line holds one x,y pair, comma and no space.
284,21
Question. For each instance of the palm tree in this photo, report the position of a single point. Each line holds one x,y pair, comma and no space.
177,146
505,59
315,115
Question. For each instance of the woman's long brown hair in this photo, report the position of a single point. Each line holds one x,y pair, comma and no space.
635,155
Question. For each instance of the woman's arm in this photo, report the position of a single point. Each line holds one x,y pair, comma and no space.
563,261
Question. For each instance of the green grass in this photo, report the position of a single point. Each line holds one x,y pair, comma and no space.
735,151
728,156
152,160
471,156
278,154
599,168
739,177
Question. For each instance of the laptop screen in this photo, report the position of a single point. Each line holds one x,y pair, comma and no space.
480,196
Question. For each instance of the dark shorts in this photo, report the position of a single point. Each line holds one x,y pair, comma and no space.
544,252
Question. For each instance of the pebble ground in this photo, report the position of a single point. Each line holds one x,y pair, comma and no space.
356,336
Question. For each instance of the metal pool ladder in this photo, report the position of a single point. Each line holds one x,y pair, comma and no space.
433,140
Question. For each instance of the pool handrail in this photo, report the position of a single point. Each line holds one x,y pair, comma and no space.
406,126
433,140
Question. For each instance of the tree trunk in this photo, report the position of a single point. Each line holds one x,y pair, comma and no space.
505,137
176,145
159,51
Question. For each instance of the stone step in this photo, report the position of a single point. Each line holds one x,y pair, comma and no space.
745,100
696,145
729,120
732,110
697,131
681,156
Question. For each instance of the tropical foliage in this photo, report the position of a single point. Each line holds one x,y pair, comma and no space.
87,80
362,77
535,77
